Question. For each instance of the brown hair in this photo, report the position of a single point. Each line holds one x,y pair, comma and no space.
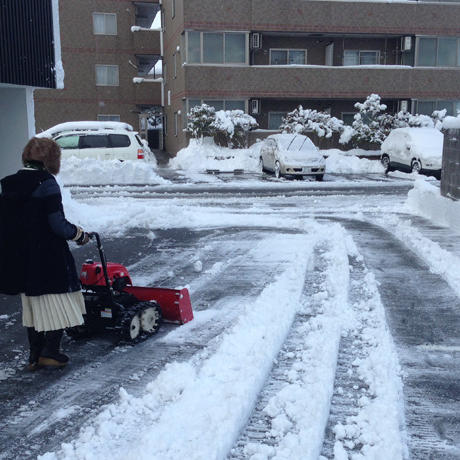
45,151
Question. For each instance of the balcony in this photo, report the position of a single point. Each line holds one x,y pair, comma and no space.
146,41
307,82
147,92
410,18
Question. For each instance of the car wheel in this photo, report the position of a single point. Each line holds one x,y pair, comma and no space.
277,169
385,160
319,177
415,166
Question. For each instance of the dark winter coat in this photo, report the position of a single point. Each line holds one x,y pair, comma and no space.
34,255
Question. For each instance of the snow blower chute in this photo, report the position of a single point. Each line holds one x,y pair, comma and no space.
112,302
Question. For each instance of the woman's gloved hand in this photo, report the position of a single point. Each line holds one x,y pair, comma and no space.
81,237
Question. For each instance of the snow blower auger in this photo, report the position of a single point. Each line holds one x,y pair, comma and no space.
112,302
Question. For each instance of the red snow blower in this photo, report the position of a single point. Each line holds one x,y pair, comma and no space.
112,302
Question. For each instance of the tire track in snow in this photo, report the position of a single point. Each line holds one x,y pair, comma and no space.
290,415
259,427
350,431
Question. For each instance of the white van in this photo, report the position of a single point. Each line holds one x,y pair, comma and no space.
99,140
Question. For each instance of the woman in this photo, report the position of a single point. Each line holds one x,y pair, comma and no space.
35,259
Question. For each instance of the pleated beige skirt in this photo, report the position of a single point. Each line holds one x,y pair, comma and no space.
50,312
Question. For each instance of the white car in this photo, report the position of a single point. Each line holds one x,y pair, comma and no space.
99,140
292,155
413,150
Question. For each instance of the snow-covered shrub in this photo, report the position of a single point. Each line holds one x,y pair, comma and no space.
371,124
407,120
201,120
232,126
304,121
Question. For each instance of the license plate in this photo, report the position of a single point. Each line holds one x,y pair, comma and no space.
106,313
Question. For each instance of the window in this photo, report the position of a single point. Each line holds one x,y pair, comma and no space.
216,47
438,51
108,117
68,142
275,119
360,57
219,104
107,75
176,124
92,141
173,8
348,118
104,23
119,140
285,57
428,107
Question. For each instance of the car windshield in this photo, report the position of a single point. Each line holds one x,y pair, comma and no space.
295,143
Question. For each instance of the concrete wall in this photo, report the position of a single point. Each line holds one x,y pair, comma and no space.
450,179
16,126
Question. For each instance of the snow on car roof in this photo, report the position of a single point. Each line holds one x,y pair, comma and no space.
93,131
84,125
287,140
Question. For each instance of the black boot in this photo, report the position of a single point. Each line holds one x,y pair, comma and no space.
36,344
51,355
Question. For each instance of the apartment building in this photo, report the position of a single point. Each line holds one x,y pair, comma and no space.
110,55
29,58
269,56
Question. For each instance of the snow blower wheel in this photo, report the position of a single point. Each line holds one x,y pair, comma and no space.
131,326
150,317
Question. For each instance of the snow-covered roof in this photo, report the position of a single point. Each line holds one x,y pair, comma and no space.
84,125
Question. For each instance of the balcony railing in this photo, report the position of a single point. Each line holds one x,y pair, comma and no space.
321,82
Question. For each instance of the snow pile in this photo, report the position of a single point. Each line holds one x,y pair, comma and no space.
339,163
88,171
425,200
451,122
204,154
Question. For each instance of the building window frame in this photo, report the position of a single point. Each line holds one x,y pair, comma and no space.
246,101
437,38
107,67
108,117
438,105
176,124
223,32
288,51
173,9
348,114
105,15
271,115
360,51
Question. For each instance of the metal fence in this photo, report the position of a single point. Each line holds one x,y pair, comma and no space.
450,178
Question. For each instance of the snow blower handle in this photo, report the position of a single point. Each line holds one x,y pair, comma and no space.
103,259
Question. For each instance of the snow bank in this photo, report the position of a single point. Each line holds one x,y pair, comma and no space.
336,162
88,171
203,154
425,200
